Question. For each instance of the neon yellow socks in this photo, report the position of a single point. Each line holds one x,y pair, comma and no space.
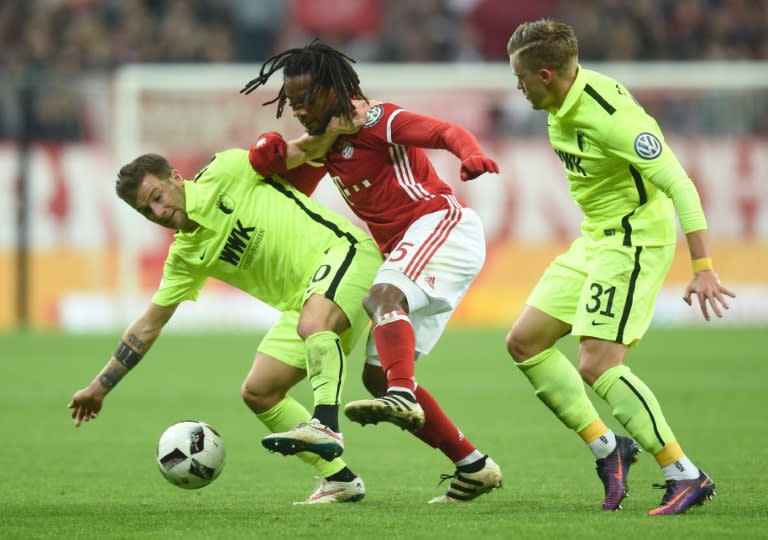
326,367
559,386
288,414
636,408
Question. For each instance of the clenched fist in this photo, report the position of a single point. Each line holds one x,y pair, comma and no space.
267,156
475,165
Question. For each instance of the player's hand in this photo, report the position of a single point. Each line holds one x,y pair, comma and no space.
342,126
267,156
475,165
710,293
86,405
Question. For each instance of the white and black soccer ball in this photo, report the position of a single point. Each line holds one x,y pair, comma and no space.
190,454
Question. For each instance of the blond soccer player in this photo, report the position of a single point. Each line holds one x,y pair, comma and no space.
629,185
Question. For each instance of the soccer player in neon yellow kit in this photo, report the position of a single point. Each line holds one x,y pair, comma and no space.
629,185
265,237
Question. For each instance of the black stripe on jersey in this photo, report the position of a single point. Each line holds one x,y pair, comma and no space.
647,409
641,194
630,296
331,292
642,197
610,109
313,215
198,175
627,226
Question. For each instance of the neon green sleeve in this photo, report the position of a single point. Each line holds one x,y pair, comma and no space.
680,188
178,283
637,137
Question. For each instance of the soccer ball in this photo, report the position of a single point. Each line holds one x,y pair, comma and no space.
190,454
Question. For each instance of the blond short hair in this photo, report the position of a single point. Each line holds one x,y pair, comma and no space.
544,43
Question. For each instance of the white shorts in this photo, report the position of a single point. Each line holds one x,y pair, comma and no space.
434,264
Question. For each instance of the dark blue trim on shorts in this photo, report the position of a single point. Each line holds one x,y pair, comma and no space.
630,296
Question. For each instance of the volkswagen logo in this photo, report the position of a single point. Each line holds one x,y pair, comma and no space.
647,146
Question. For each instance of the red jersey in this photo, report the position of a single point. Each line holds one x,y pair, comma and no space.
384,174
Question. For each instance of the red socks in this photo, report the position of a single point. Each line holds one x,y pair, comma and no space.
396,345
439,432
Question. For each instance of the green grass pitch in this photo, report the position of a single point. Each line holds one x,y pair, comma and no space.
101,481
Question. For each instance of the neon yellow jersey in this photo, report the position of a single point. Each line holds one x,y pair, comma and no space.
622,174
260,235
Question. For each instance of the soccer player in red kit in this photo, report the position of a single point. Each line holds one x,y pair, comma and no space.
433,244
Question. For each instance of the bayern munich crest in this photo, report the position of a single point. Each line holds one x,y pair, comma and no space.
647,146
347,150
374,115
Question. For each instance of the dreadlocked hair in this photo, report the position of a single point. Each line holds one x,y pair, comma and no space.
327,67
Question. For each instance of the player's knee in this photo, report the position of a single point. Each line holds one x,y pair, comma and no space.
257,400
590,371
307,327
384,298
326,318
591,366
517,347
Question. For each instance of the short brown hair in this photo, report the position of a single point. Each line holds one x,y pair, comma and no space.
544,43
132,175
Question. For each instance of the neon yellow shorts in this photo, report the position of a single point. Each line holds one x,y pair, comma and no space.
604,290
341,275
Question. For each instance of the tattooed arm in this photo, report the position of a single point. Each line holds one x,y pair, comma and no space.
135,343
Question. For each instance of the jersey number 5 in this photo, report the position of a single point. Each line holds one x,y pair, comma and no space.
400,251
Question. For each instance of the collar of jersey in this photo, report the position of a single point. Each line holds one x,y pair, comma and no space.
579,83
195,202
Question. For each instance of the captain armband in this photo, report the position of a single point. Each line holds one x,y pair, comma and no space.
702,264
127,356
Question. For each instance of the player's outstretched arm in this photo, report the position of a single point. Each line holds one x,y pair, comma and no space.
135,343
705,285
272,154
309,148
312,147
672,179
413,129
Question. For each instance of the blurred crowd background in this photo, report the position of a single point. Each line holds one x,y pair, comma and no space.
72,256
55,45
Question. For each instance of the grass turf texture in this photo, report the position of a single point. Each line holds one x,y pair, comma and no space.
101,481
